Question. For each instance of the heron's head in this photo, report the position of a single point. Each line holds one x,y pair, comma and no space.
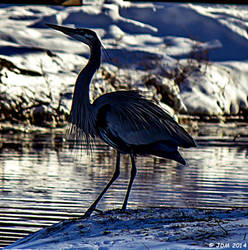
86,36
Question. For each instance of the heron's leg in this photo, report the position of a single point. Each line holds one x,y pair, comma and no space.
132,176
114,177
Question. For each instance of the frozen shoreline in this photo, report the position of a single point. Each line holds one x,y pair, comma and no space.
195,53
153,228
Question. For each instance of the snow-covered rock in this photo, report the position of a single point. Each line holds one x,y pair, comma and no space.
215,90
152,228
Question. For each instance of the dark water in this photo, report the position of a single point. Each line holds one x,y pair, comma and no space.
42,181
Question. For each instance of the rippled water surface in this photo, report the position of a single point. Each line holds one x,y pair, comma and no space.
43,181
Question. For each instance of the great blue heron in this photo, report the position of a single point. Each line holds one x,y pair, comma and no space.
123,119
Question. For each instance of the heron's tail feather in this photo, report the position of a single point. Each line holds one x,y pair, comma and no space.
173,156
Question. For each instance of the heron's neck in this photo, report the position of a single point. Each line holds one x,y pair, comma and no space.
84,77
81,106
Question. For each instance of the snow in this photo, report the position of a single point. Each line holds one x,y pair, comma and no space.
200,48
153,228
197,53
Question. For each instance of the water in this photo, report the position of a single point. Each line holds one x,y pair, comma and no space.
42,181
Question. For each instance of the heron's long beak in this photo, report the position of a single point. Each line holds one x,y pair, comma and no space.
65,30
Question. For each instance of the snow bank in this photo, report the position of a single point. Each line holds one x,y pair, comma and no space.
199,48
145,229
216,90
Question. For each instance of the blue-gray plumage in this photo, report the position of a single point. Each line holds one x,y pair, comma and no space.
123,119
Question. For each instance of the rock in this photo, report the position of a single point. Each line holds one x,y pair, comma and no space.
169,91
42,116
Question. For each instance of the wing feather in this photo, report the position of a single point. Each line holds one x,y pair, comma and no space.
138,121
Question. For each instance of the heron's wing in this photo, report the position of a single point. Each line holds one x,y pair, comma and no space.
135,120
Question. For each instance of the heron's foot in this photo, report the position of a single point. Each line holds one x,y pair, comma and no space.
123,209
88,213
